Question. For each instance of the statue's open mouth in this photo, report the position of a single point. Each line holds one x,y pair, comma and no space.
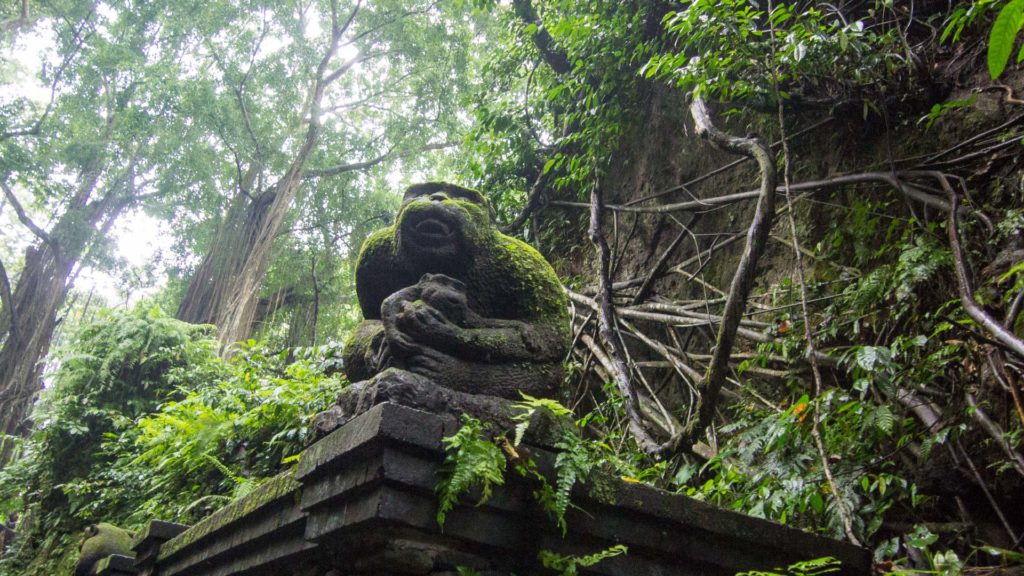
431,227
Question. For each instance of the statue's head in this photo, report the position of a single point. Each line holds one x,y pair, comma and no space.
441,221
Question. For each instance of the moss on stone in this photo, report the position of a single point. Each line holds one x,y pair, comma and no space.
603,487
275,489
107,539
505,279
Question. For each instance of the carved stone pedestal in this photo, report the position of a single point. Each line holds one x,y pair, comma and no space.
362,502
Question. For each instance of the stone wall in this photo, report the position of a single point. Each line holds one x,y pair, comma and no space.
362,501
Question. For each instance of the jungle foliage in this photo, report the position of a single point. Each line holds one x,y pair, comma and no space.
145,420
874,389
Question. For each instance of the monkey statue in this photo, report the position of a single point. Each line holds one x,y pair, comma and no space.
447,297
99,541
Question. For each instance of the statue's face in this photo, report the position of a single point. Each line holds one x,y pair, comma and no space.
442,221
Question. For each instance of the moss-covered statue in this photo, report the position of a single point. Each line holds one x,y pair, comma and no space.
99,541
448,298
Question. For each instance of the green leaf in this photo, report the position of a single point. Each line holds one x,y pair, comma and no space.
1001,39
1019,267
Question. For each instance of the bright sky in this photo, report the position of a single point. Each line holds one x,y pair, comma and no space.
138,240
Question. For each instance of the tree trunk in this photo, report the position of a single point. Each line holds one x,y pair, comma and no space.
224,291
40,291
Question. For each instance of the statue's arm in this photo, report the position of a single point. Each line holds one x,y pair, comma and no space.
541,333
508,340
364,350
435,313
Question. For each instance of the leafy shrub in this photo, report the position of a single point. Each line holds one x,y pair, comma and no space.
144,420
221,439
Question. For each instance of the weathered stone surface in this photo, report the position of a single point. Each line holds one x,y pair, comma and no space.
261,529
448,298
115,565
362,501
100,541
147,543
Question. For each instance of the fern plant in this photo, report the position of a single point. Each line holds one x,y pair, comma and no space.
815,567
570,565
471,461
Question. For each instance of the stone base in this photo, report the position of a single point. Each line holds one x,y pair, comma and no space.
362,501
397,386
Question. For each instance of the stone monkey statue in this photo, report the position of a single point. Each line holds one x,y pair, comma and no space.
99,541
448,297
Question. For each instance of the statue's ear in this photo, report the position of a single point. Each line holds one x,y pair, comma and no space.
91,530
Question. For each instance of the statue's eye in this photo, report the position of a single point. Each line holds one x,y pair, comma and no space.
474,198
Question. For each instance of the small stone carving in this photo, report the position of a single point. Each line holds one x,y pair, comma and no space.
447,297
99,541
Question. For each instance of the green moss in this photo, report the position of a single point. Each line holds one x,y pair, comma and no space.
107,539
538,278
603,488
267,493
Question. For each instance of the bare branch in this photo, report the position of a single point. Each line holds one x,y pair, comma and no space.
889,178
27,221
533,202
659,267
743,279
971,306
606,327
724,168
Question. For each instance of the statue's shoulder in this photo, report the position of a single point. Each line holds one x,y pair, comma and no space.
515,253
378,248
516,271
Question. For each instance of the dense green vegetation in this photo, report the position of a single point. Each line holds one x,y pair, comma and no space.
874,388
144,420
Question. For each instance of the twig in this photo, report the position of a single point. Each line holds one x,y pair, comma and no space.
722,169
984,489
1014,311
844,513
971,140
893,180
659,267
995,432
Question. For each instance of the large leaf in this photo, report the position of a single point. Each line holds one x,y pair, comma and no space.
1001,39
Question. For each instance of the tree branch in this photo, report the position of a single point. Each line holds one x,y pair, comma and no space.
23,217
78,40
743,279
554,56
606,327
888,178
354,166
971,306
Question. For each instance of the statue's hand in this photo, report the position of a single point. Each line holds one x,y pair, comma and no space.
425,323
448,296
412,323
